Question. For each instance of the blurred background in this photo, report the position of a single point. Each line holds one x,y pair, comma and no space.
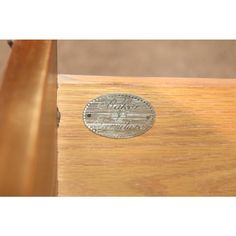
165,58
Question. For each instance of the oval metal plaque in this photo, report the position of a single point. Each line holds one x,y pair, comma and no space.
119,115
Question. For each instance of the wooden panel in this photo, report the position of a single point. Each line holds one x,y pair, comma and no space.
191,149
28,134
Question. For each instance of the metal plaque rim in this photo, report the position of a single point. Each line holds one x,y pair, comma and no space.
121,94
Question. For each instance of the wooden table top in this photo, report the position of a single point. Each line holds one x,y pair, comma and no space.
190,151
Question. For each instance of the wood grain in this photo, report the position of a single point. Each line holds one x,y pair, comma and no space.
28,134
190,151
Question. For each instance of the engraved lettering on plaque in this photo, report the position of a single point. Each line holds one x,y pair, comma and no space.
119,115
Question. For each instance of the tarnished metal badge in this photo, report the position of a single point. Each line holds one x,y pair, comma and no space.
119,115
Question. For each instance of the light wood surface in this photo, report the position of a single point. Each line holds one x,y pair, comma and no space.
191,149
28,132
